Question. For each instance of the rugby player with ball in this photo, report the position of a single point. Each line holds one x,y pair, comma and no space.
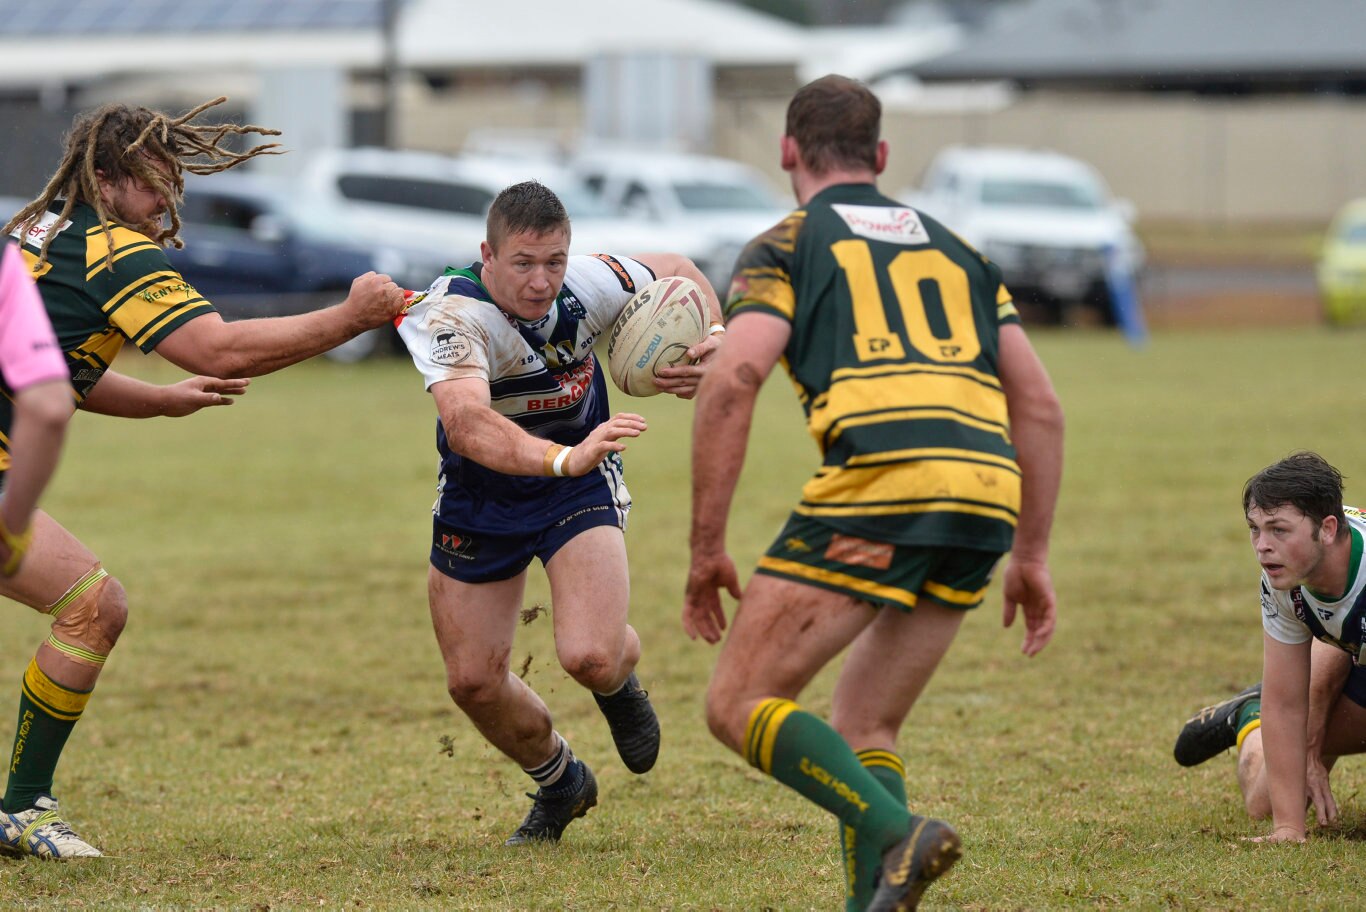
531,467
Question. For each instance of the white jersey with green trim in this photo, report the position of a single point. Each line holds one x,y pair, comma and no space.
1297,616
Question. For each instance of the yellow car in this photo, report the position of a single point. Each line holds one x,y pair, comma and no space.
1342,269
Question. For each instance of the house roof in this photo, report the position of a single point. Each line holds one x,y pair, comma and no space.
73,40
1079,40
448,34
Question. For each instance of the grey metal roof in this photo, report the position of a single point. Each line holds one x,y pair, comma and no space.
95,18
1044,40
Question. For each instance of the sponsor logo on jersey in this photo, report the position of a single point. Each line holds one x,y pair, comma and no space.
41,229
449,347
1297,601
860,552
558,354
152,295
572,305
893,224
573,386
628,284
1268,605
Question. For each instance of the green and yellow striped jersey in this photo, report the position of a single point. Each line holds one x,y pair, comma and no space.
96,305
895,337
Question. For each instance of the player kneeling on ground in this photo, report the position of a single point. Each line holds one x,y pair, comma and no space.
1314,623
530,467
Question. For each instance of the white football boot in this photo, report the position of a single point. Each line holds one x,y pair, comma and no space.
40,832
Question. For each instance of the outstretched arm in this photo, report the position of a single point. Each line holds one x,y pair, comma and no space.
721,422
249,348
121,396
475,430
1036,425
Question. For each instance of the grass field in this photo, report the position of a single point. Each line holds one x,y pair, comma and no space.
273,731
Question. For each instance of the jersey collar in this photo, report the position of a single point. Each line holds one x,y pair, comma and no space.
1353,565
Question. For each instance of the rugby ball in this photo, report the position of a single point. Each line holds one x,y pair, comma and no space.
654,331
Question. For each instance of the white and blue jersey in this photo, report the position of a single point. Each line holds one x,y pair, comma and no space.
542,375
1298,615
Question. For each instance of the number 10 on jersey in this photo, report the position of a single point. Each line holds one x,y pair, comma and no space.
874,340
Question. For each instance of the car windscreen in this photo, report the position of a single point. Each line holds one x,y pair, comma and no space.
416,193
579,202
221,211
709,196
1043,194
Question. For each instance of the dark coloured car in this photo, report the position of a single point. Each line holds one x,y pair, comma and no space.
254,249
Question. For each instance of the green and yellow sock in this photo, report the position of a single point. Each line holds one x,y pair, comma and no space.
47,714
860,862
1249,719
805,754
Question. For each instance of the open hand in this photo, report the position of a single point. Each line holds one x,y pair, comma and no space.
189,396
606,438
1028,585
702,612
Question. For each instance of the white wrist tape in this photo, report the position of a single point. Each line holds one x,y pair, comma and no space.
560,459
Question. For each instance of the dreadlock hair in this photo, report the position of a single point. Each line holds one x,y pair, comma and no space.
123,143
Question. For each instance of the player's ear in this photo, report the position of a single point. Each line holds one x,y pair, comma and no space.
880,161
1328,530
485,252
791,155
106,186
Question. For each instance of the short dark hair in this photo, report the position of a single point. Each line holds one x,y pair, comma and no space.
1304,480
528,206
836,122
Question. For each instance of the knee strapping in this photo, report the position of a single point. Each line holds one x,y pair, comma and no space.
76,631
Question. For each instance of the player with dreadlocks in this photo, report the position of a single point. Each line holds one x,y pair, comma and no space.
94,241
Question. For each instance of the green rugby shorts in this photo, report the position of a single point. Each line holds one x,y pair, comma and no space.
811,552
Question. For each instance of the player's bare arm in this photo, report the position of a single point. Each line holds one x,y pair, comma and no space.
249,348
721,422
476,431
682,381
1036,426
1285,714
121,396
1328,671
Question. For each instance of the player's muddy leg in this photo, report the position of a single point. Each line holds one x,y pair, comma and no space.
590,592
590,595
474,626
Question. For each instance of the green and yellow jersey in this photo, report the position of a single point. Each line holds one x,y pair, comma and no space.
99,295
895,338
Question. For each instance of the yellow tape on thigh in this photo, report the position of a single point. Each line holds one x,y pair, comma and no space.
76,632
